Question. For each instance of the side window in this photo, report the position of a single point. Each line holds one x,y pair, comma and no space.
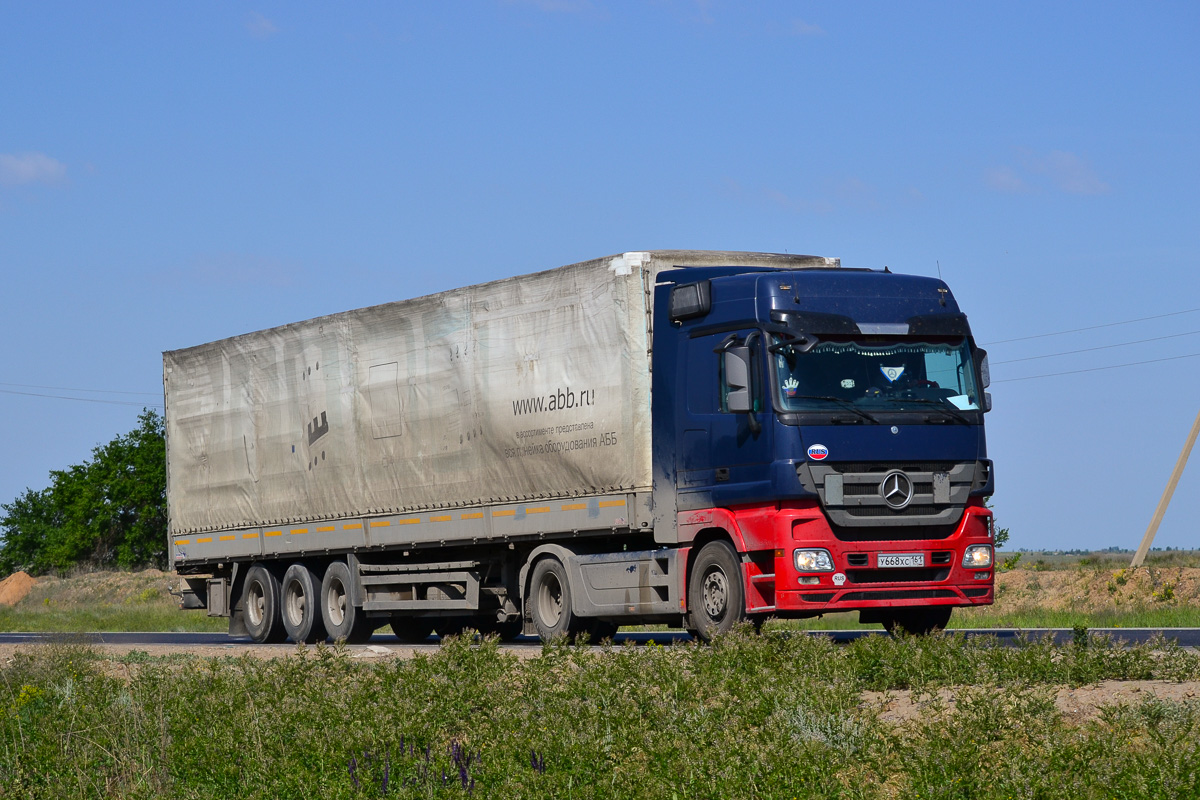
944,369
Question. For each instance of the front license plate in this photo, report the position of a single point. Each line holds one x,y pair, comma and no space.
885,560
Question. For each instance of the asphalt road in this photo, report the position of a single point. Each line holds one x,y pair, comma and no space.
1186,637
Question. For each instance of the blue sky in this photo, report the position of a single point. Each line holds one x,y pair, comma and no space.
175,173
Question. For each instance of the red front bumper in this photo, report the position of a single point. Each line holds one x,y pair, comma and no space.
856,581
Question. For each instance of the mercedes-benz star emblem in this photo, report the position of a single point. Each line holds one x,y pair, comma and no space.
896,489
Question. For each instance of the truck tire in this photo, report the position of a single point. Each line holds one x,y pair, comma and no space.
598,630
508,630
917,621
550,600
451,626
716,597
411,630
300,608
343,620
260,603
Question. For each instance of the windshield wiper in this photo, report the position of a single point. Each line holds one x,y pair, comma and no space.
946,409
843,403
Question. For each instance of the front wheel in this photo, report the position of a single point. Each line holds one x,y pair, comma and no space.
716,597
550,600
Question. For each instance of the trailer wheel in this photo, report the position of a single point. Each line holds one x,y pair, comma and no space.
300,609
598,630
550,600
451,626
716,597
411,630
917,621
343,620
260,602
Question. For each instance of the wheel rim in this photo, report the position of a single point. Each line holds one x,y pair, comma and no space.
715,594
256,604
294,603
335,602
550,600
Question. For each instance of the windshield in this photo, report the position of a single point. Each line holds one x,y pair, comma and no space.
892,376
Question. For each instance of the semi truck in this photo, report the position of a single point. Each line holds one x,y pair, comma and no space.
695,439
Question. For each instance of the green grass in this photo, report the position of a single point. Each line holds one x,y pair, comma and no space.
53,618
1150,617
1036,560
776,716
995,617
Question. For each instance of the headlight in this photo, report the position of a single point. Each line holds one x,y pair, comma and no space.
813,561
977,556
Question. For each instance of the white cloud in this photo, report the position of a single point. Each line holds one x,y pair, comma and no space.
1005,179
1056,171
758,195
1070,173
856,193
22,168
801,28
260,27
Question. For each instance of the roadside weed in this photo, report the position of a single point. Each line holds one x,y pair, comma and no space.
773,716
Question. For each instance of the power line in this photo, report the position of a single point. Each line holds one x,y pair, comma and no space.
1100,347
1094,327
1095,369
75,389
84,399
995,363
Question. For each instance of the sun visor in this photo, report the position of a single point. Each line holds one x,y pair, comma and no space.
939,325
816,323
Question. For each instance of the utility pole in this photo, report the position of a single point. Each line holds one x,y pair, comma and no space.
1140,555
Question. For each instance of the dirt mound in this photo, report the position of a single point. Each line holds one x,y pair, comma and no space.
14,588
1098,590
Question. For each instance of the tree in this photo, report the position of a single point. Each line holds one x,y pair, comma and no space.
110,511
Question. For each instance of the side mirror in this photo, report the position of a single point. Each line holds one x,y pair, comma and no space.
985,374
736,362
987,401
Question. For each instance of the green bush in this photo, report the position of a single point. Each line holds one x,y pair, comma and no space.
110,511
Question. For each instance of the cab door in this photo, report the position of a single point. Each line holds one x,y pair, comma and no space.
721,460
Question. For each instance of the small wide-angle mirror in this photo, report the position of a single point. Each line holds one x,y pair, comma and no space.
690,300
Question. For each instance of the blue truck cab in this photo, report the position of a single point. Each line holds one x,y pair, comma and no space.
829,425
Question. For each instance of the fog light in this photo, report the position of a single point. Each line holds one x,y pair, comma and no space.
808,580
977,556
982,576
813,561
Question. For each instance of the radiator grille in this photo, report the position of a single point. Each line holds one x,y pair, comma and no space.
893,534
